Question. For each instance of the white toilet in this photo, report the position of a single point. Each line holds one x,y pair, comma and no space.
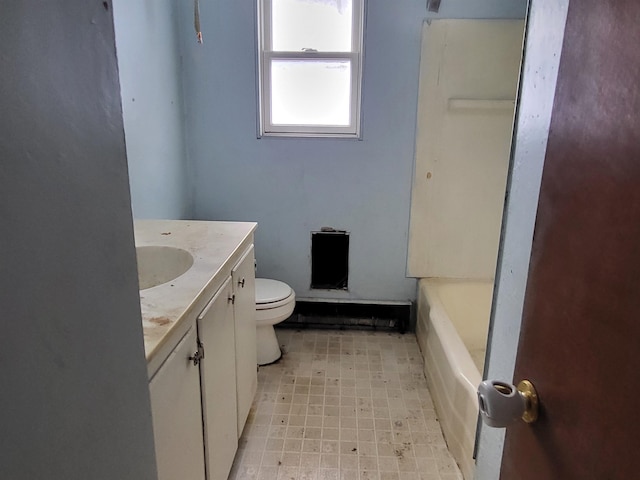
274,303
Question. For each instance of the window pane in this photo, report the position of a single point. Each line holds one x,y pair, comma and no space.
310,92
322,25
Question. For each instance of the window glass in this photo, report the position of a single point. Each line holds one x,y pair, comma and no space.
322,25
310,93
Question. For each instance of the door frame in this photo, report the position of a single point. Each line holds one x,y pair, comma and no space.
544,34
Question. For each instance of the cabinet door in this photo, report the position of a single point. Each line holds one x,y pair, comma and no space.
177,414
218,383
243,278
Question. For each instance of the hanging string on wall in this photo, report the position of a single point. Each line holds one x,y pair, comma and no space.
196,20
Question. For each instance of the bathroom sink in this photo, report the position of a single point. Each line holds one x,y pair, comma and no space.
160,264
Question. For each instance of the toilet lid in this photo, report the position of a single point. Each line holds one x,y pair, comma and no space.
269,291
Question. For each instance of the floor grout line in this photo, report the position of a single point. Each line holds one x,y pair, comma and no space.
344,405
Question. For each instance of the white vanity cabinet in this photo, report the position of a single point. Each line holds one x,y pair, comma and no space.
200,341
216,333
243,280
177,414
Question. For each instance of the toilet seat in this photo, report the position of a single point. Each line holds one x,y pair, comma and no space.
272,294
271,306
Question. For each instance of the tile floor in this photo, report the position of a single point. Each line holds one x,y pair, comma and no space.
344,405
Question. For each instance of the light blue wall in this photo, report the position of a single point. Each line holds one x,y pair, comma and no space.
152,103
294,186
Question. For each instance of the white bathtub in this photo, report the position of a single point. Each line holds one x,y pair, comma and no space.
452,325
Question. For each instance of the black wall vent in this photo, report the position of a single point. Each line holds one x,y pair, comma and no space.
330,260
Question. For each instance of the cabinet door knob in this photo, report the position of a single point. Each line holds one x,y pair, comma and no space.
198,355
231,299
195,358
241,283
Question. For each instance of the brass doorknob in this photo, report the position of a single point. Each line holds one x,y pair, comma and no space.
501,404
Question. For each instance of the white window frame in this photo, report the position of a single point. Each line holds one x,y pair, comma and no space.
266,55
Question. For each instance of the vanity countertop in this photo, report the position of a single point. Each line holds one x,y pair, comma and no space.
166,308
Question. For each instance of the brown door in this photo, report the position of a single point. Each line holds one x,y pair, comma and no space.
580,338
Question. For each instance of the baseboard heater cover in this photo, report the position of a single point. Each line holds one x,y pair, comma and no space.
344,315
